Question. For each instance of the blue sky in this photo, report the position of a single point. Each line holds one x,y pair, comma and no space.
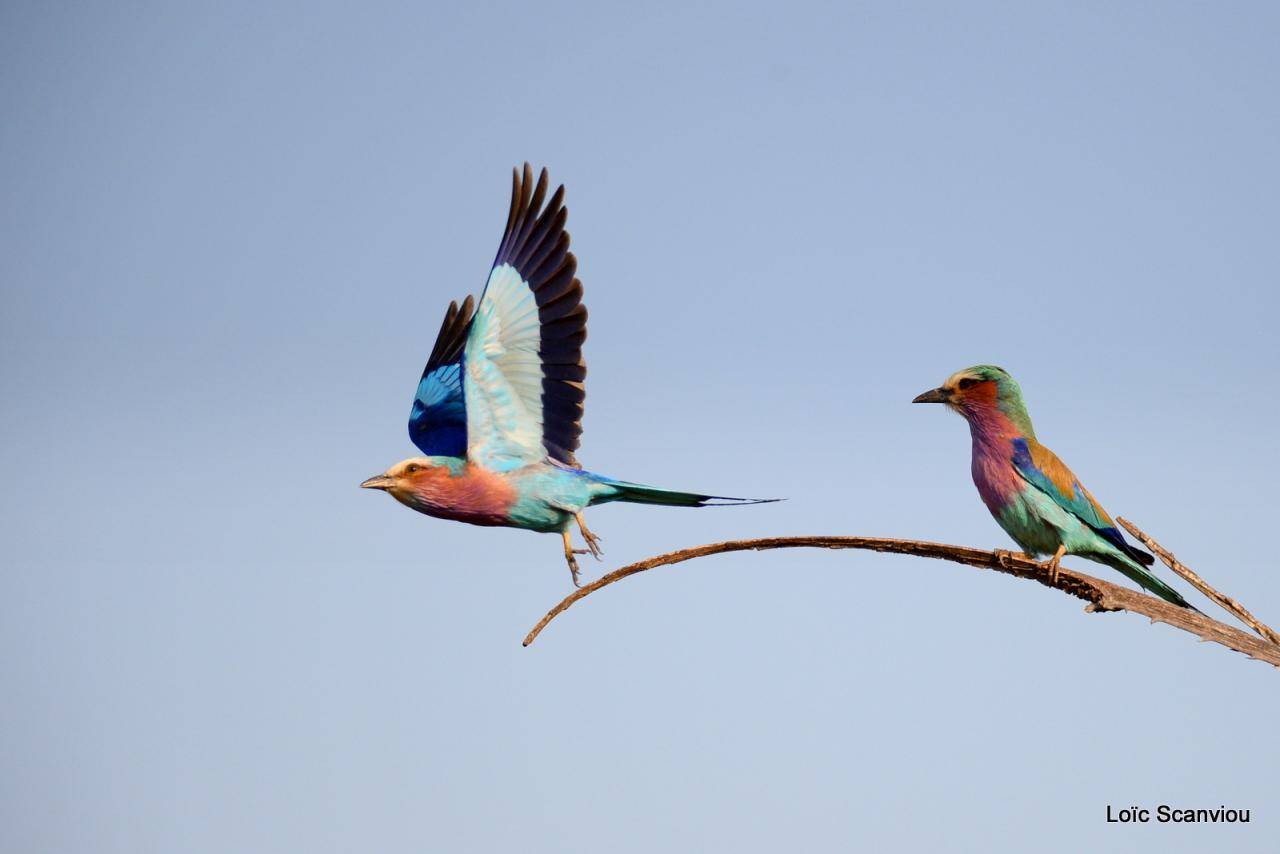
229,235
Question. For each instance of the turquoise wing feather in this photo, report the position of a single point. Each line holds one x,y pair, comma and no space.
523,372
1042,469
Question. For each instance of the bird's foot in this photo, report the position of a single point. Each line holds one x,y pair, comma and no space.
593,544
593,540
572,565
569,552
1051,565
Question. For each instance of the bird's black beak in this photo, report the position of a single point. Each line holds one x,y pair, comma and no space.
379,481
933,395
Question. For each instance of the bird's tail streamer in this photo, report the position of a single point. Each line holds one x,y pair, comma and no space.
638,493
1148,581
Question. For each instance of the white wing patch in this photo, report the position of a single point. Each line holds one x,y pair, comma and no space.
503,383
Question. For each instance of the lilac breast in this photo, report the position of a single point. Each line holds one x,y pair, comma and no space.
997,481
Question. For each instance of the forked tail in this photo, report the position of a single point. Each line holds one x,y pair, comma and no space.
638,493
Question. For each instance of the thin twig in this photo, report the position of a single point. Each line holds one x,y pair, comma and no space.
1101,595
1200,584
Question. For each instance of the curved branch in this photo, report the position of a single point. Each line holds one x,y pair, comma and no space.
1101,595
1224,602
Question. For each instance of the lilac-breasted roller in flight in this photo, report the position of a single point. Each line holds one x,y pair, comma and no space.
1029,491
498,411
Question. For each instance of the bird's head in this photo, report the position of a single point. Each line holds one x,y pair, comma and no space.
406,478
979,392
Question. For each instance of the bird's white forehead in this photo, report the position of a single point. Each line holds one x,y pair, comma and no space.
955,378
398,469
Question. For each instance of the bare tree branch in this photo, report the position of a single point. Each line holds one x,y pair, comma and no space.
1101,595
1200,584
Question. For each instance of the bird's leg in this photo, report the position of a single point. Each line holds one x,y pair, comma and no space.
593,542
1052,564
569,552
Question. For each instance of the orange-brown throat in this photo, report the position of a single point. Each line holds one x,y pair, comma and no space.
465,493
981,395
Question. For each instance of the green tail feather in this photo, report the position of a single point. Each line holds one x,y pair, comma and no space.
1145,579
638,493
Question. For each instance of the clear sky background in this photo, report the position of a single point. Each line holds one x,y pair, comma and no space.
229,235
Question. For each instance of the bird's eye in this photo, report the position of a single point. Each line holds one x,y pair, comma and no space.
967,383
411,468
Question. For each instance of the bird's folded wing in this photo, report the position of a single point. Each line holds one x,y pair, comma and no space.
522,368
1041,468
438,419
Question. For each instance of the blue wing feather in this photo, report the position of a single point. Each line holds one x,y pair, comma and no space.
438,418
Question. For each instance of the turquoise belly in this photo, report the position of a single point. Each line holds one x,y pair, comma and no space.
547,497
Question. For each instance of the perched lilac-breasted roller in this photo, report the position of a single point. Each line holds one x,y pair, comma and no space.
1030,492
498,412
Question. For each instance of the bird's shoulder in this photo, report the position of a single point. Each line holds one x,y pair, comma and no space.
1046,470
1039,464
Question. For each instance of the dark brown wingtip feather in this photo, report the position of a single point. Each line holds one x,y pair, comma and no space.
442,337
552,253
452,337
543,235
561,282
521,193
514,209
563,305
575,372
530,207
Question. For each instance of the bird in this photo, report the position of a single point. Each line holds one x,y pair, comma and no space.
498,409
1030,492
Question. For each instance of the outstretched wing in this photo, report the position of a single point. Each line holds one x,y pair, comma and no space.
1041,468
438,419
523,367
